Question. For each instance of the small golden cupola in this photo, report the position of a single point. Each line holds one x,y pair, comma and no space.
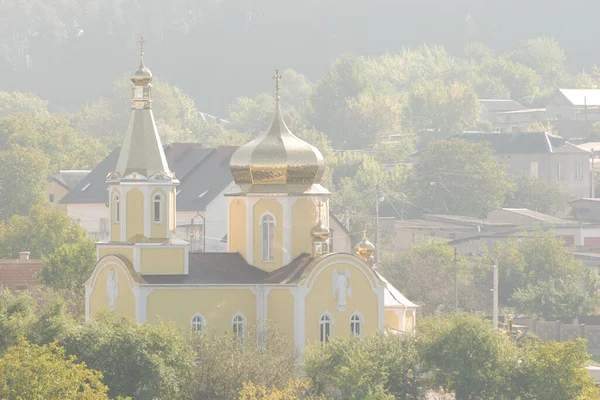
278,161
364,250
319,235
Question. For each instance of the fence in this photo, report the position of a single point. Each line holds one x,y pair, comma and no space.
561,331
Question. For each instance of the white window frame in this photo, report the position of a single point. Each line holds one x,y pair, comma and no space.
356,320
325,323
534,168
116,208
161,203
560,171
197,321
578,170
238,326
267,246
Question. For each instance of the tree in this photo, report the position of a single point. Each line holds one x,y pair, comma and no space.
295,390
41,232
17,102
538,195
434,108
28,371
544,55
457,177
22,181
464,355
539,276
523,82
69,266
137,360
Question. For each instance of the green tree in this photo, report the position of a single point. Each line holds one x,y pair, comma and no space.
28,371
457,177
138,360
522,82
465,356
41,232
436,108
544,55
539,276
17,102
22,181
538,195
69,266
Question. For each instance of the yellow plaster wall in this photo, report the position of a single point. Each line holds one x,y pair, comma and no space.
276,209
304,218
280,312
391,320
159,230
126,252
135,213
237,227
125,302
320,299
217,306
59,191
115,229
409,321
162,260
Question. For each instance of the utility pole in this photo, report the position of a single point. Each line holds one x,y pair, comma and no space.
377,244
495,298
455,281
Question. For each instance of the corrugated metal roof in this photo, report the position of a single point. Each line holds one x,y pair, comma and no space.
581,97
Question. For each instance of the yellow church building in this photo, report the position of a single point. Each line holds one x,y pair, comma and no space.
278,268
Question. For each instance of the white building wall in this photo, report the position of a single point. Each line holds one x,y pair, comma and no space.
90,216
217,216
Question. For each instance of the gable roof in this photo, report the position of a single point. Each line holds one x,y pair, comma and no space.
582,97
201,171
517,142
69,178
499,105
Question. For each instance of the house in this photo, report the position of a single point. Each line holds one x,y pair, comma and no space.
19,274
580,104
541,155
278,266
61,183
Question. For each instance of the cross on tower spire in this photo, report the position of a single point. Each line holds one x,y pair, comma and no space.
277,76
142,41
320,210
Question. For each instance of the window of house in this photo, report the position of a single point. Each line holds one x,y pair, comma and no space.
239,326
22,287
158,206
197,324
325,324
267,222
116,208
356,324
560,170
578,170
51,198
533,169
103,225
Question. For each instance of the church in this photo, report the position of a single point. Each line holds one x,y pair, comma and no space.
278,269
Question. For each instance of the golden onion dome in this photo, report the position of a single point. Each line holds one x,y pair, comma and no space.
142,76
278,162
319,233
365,248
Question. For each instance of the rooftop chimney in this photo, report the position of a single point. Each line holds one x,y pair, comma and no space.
24,255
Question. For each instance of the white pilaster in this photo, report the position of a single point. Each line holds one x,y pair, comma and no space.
250,202
141,297
287,204
88,293
300,318
148,220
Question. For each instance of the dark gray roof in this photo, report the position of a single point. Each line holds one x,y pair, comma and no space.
516,142
230,268
70,178
200,170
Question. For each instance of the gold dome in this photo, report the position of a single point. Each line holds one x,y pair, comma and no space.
364,249
278,162
319,233
142,76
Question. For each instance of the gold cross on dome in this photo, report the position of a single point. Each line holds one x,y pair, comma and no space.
277,77
142,41
320,208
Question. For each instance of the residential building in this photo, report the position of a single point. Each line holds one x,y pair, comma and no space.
505,115
578,104
61,183
278,265
540,155
19,274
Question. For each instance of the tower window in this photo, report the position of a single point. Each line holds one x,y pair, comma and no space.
325,323
267,222
197,324
356,324
239,326
158,206
116,208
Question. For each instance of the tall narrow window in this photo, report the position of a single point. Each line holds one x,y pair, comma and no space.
356,324
116,208
578,170
239,326
197,324
268,236
533,169
158,205
325,323
560,171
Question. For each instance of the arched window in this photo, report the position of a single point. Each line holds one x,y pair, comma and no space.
356,324
239,326
267,223
158,206
325,325
116,208
197,324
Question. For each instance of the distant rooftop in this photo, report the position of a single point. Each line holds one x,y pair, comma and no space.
497,105
519,142
550,219
582,97
70,178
